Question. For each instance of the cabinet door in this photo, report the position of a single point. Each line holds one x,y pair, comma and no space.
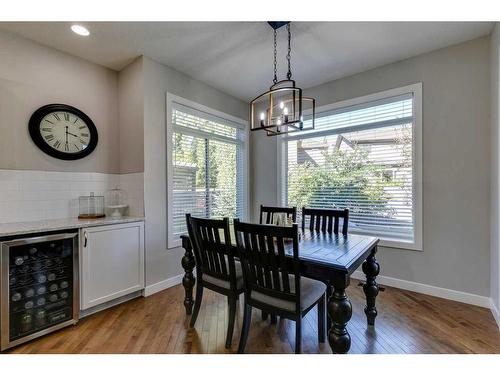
112,262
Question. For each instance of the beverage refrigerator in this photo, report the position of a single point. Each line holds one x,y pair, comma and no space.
38,285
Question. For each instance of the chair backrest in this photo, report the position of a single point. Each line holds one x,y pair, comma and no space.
211,244
266,268
325,220
269,211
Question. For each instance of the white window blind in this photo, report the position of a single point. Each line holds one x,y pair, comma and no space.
360,158
208,162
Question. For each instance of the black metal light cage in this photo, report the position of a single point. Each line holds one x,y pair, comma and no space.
280,110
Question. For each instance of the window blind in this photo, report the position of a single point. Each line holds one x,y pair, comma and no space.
208,168
358,158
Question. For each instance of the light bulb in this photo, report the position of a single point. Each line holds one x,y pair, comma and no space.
301,118
278,122
282,105
262,116
285,111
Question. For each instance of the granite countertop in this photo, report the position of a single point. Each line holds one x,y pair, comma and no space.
12,229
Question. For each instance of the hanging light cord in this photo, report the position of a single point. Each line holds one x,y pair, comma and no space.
275,79
288,57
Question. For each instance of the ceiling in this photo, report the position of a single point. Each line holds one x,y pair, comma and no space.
236,57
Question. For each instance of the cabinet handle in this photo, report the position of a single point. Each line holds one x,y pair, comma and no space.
85,241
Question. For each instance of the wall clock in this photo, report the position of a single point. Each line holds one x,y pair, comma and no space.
63,132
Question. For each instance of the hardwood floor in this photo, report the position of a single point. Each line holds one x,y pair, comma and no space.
407,323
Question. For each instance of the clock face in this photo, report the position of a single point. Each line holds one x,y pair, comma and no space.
63,132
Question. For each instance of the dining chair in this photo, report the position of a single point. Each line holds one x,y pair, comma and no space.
272,279
216,267
270,211
325,219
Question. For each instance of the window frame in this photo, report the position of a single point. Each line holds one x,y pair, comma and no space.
414,89
241,124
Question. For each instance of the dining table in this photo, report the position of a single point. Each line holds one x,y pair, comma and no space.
329,257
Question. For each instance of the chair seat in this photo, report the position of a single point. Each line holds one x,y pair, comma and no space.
310,292
224,283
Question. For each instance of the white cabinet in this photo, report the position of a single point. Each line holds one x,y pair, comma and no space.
112,262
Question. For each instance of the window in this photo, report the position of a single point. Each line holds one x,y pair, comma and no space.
207,168
363,155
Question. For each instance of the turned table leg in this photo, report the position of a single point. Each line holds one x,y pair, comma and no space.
340,311
188,280
371,268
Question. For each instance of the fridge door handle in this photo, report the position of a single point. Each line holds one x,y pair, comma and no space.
85,239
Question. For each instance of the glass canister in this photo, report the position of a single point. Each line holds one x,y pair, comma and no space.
91,206
116,203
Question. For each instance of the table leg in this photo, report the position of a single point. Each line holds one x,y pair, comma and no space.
340,311
188,281
371,268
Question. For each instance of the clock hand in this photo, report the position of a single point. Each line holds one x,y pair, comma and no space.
74,135
66,135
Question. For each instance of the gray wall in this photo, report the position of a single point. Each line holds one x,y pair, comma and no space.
456,163
131,117
163,263
32,75
495,155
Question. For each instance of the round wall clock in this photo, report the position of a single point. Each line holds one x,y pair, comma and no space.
63,132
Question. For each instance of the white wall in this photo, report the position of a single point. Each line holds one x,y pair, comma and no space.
456,163
495,173
32,75
163,263
131,117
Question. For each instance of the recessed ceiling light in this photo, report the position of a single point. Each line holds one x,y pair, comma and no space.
80,30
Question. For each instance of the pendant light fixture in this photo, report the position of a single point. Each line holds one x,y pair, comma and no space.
282,109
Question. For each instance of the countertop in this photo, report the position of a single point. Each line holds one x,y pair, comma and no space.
13,229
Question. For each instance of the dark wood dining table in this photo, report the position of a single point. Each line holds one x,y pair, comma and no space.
328,257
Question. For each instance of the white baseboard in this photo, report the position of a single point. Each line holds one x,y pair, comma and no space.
162,285
454,295
495,312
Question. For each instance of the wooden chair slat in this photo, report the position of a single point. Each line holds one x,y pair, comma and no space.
222,256
273,263
285,282
264,259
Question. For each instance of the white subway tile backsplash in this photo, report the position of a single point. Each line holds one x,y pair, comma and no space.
39,195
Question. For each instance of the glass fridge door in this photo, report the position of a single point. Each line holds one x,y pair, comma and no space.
41,287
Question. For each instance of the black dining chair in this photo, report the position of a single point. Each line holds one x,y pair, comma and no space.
216,268
272,279
267,215
269,211
325,219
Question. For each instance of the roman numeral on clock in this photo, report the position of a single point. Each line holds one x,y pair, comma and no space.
47,129
66,116
57,116
57,144
49,137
